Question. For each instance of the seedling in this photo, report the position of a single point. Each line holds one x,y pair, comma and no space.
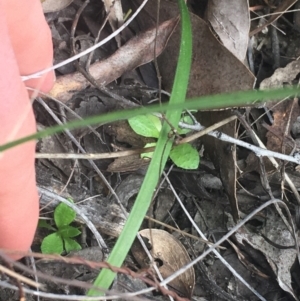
62,238
183,155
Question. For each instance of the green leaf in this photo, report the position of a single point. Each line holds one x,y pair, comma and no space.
52,244
63,215
68,231
146,125
185,156
186,119
43,224
150,154
71,245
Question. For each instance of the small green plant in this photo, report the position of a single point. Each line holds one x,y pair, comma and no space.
183,155
62,238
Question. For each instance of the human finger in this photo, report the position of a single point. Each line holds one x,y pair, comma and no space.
31,40
18,194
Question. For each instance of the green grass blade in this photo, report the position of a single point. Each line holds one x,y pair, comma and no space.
236,99
159,158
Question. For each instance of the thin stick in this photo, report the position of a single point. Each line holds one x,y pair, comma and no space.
83,151
19,277
205,131
277,13
225,237
95,156
79,55
257,150
212,248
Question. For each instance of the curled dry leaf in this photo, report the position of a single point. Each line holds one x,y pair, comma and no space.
131,163
115,11
56,144
282,76
284,113
138,51
169,255
280,259
231,22
214,69
50,6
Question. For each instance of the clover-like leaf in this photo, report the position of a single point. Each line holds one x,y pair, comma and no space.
146,125
188,120
150,154
68,231
52,244
43,224
63,215
185,156
71,245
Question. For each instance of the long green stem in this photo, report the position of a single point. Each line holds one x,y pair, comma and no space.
236,99
159,158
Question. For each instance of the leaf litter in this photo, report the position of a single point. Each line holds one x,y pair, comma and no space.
222,178
124,59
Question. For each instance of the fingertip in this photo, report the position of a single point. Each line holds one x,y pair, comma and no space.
42,84
32,48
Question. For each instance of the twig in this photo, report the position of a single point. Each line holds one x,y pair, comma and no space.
95,156
74,25
275,47
88,62
276,165
212,249
36,278
83,151
225,237
252,135
61,104
275,13
264,176
260,152
183,233
202,130
19,277
283,144
72,59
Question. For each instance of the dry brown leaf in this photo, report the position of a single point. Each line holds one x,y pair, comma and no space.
286,112
56,144
231,22
115,11
115,15
138,51
280,260
170,255
128,164
281,111
282,76
50,6
122,132
214,68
